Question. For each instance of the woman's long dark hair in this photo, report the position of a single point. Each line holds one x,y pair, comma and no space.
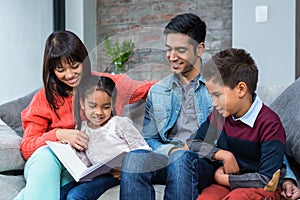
89,86
62,45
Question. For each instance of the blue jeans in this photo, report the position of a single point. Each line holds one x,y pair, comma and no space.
89,189
184,173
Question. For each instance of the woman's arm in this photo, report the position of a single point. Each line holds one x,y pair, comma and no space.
36,119
129,90
40,123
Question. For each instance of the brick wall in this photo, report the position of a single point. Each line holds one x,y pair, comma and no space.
143,22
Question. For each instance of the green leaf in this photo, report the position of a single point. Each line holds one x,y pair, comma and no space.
119,52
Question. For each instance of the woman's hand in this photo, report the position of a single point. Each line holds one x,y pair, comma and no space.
77,139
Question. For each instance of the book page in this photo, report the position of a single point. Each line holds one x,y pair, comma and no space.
66,154
103,168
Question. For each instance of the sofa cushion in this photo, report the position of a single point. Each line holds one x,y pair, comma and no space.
10,186
10,112
269,93
11,158
113,193
286,105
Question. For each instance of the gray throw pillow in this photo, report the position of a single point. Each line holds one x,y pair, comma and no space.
10,154
10,112
287,106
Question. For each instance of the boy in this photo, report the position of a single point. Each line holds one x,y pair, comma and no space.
242,134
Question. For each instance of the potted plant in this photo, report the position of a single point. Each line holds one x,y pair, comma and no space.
119,53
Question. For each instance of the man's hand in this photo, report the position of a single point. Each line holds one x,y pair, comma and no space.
290,190
177,148
229,162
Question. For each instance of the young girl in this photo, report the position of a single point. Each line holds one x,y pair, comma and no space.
109,135
49,116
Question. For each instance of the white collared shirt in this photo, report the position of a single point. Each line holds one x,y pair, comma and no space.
250,116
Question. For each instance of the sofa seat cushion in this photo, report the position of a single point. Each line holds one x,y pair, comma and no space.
10,186
113,193
11,158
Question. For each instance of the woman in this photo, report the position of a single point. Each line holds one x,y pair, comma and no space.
49,116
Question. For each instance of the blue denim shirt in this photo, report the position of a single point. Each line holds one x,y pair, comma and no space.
163,105
289,174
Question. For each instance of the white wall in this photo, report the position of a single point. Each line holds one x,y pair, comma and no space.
81,19
25,25
74,17
271,43
24,30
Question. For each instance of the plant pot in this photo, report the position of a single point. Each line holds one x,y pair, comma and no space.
118,67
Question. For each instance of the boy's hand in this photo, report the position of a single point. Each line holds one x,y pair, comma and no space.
229,162
290,190
220,177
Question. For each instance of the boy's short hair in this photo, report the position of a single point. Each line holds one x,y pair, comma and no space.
231,66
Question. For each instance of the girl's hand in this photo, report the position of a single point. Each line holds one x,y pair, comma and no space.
77,139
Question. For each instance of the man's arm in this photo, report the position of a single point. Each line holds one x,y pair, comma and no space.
150,131
204,140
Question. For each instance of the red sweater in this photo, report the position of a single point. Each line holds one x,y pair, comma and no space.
40,122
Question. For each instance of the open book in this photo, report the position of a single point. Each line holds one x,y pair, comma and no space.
80,172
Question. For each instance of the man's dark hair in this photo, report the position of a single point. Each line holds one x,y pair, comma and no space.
188,24
231,66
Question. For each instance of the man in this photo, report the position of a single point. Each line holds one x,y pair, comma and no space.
175,107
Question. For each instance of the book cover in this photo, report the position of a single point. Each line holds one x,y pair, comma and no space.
79,171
